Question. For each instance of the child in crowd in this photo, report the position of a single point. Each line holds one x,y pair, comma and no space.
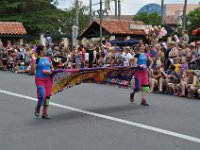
20,68
184,65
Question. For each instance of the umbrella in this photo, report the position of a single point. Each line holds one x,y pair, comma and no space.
116,42
196,32
131,42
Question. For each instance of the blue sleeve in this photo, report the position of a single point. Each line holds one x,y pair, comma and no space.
169,72
155,54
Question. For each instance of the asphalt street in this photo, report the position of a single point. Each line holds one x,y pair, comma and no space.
95,117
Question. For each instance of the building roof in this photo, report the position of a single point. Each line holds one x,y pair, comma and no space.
171,20
122,17
15,28
171,9
120,27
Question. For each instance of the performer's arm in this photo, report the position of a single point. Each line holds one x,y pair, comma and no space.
151,62
33,67
52,68
135,60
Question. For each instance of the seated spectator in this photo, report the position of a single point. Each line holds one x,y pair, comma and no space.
174,53
156,79
184,65
172,80
192,83
20,68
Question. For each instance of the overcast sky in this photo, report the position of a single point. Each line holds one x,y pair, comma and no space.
129,7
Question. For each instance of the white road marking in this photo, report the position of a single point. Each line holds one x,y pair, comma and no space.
139,125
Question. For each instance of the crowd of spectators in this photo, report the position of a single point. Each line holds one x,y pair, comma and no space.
176,69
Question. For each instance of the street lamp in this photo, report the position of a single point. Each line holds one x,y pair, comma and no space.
184,14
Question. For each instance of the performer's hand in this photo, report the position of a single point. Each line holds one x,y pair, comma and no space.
143,66
49,72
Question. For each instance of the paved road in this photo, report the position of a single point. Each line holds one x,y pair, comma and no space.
95,117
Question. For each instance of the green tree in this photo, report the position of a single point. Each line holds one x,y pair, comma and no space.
42,16
194,20
37,15
152,19
68,17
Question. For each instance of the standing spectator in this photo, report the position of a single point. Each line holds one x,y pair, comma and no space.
153,54
107,44
91,55
27,57
9,45
119,58
10,62
78,58
83,51
1,44
4,57
101,60
127,56
69,59
186,36
174,37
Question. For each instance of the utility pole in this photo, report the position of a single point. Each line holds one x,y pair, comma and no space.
101,18
90,11
75,26
77,12
184,14
119,9
115,9
162,12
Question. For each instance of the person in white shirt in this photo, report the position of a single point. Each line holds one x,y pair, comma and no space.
127,56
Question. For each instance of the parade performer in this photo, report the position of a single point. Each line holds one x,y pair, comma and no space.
43,70
141,75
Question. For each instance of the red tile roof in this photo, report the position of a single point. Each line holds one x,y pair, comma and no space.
12,28
119,27
171,20
112,17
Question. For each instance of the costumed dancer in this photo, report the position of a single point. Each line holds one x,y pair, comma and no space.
43,70
141,73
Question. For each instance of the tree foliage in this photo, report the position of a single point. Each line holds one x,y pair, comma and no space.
194,20
41,16
152,19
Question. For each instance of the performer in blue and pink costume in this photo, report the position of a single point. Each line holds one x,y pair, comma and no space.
141,82
43,80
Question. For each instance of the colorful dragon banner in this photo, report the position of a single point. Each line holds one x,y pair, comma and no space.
63,79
